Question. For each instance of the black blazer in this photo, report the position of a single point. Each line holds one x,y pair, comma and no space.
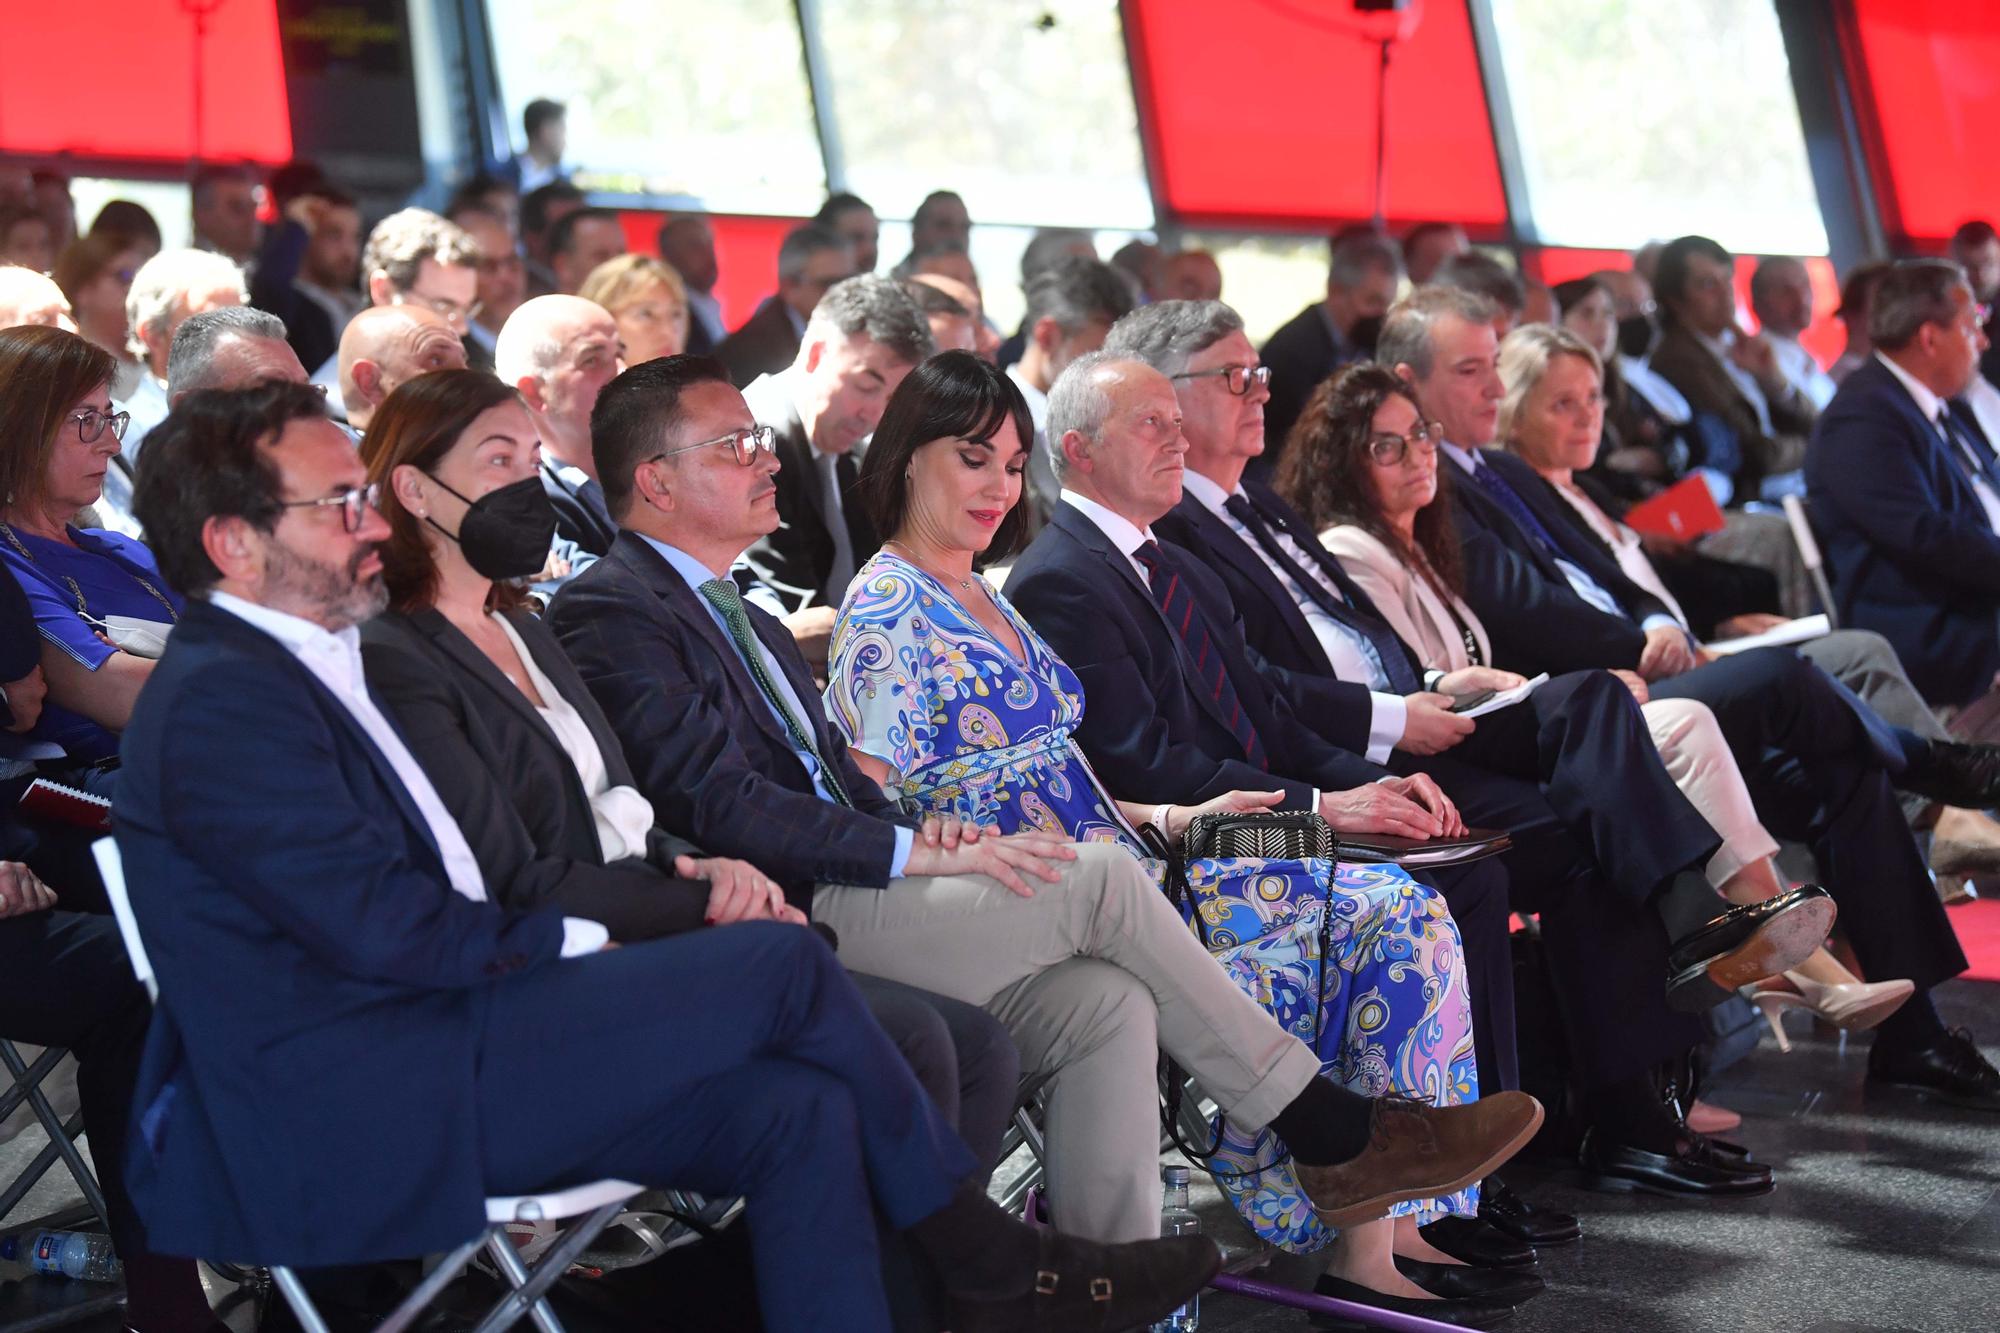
509,783
580,513
764,345
20,644
794,560
1908,546
1148,727
1301,354
702,741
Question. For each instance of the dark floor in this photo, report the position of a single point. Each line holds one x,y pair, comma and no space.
1886,1217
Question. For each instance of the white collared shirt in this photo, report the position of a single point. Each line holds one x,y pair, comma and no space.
1933,409
1650,384
334,658
1352,656
1802,369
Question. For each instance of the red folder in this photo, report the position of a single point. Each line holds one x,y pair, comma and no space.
66,805
1683,511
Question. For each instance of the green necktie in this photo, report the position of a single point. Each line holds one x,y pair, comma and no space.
722,594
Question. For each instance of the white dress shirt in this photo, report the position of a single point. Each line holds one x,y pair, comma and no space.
1353,657
334,658
1933,409
1802,368
1651,385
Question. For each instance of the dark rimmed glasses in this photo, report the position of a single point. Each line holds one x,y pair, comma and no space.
1237,378
1388,450
354,504
747,444
90,424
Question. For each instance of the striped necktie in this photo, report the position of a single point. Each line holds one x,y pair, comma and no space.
1176,602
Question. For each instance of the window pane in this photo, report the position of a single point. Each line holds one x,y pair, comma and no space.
726,119
1024,109
1640,121
1266,279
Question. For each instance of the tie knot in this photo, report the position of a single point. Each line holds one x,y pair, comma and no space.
1240,506
1149,554
723,595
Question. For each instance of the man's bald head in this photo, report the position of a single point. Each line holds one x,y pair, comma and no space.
28,297
385,346
560,352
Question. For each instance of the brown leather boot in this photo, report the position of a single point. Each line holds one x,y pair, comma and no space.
1419,1151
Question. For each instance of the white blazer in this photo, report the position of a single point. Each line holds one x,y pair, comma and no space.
1407,600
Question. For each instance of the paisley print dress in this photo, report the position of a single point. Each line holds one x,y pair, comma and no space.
969,729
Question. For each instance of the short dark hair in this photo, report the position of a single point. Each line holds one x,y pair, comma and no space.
837,203
802,243
131,221
1911,294
1485,276
209,459
1857,293
206,179
954,394
475,192
635,413
935,300
1976,232
1670,272
300,176
880,310
1422,232
1576,290
539,113
1075,291
563,234
535,205
932,200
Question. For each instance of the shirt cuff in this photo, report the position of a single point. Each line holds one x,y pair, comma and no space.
1433,678
905,839
1660,621
581,937
1391,714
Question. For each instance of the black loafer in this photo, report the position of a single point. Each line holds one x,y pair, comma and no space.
1955,773
1949,1070
1457,1313
1747,944
1507,1212
1472,1241
1696,1170
1486,1286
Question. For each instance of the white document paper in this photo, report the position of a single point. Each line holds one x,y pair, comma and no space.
1792,631
1506,697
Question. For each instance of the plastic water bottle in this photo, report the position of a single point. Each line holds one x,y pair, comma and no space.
85,1255
1177,1219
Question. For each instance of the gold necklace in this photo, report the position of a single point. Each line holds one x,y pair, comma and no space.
83,608
964,584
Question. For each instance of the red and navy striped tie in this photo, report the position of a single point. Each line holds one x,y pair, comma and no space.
1176,601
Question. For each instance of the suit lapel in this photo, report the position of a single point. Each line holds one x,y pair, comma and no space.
1221,539
450,641
555,664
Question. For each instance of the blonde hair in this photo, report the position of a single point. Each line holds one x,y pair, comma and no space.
1525,357
623,281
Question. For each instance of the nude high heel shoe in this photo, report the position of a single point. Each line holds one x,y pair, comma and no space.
1854,1007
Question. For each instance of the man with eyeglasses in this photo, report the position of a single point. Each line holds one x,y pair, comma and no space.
417,260
385,346
863,338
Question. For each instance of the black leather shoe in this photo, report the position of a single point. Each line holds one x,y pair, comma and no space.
1487,1286
1471,1241
1081,1285
1950,1070
1747,944
1695,1170
1955,773
1458,1314
1510,1214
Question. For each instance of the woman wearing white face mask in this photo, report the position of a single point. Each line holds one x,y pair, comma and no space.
98,599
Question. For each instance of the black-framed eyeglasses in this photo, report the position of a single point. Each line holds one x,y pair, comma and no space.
1238,378
90,424
1388,450
746,443
354,504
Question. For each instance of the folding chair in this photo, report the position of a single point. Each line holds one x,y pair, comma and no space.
62,1133
596,1203
1802,537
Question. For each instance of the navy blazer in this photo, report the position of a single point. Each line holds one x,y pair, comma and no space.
764,345
1301,354
794,559
702,741
307,1090
1149,729
1908,547
580,513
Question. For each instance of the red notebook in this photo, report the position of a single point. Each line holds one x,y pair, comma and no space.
1683,511
66,805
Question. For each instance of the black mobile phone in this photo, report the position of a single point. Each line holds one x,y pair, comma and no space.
1461,702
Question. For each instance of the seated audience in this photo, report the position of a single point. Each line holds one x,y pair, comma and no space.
687,243
950,320
1044,249
308,272
57,206
168,288
985,339
1481,274
1072,305
1072,947
1429,244
223,213
230,347
96,274
1781,296
388,345
647,299
131,222
945,476
580,242
415,257
1539,303
1143,265
1339,328
25,238
810,260
1975,247
1856,294
541,209
946,259
1193,275
503,278
28,297
940,220
99,603
392,972
849,217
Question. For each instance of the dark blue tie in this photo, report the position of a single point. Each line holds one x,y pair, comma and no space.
1970,452
1176,602
1510,500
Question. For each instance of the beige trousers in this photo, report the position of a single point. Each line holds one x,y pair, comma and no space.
1093,977
1699,761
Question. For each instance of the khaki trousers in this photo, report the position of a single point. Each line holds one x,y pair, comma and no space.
1093,977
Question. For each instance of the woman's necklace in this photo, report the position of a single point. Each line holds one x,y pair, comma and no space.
82,608
964,584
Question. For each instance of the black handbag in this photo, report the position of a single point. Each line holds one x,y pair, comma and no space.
1272,835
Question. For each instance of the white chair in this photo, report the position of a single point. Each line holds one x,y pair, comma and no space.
596,1203
1802,537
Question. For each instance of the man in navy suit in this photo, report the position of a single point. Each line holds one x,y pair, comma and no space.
352,1046
1905,490
1814,757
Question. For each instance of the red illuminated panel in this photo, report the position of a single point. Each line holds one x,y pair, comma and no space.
746,255
1554,266
1927,87
1263,112
115,79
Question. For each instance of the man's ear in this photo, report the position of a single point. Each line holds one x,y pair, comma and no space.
380,290
651,488
230,547
1076,449
1405,373
368,379
815,352
1047,335
530,389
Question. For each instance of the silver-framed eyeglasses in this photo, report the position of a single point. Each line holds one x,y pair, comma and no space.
1237,378
90,424
746,443
1388,450
442,306
354,504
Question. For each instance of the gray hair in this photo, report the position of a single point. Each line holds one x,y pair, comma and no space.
1359,254
1166,334
802,243
191,362
1050,245
1075,291
1525,357
1913,293
878,309
402,241
165,280
1078,402
1406,332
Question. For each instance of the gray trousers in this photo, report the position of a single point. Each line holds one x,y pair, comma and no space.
1864,662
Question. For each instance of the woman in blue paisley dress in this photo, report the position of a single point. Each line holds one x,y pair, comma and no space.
953,703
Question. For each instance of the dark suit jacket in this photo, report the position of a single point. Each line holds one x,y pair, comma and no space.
1693,369
308,328
580,513
1152,731
704,744
20,642
1301,353
764,345
307,1090
795,560
1908,547
513,789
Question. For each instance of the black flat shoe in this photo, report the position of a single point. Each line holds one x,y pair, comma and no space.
1955,773
1458,1314
1696,1170
1472,1241
1747,944
1507,1212
1949,1070
1082,1286
1486,1286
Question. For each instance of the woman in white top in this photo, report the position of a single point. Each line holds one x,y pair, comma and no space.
1363,466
